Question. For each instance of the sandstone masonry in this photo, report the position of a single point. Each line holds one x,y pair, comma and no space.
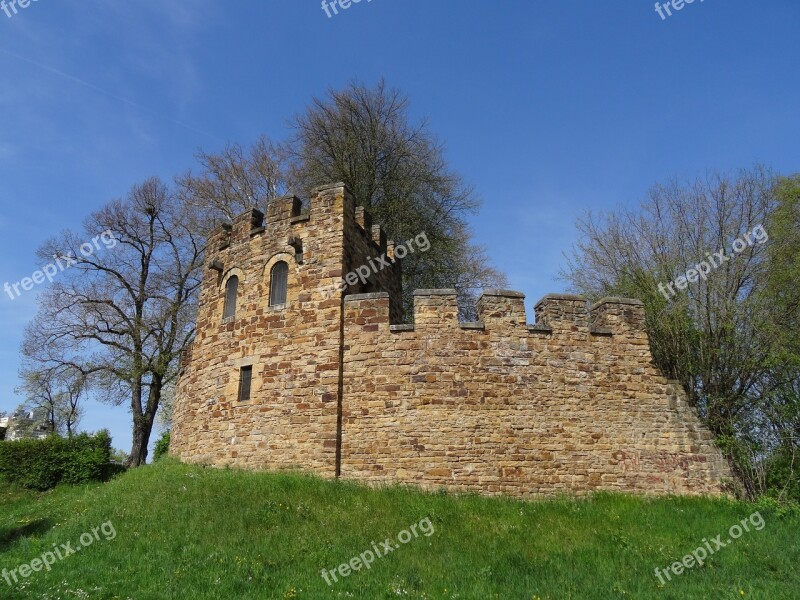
572,403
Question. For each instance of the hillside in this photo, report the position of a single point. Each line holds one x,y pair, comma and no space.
175,531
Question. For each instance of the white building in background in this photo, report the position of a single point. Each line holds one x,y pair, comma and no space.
24,425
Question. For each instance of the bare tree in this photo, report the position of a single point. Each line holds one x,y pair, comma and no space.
233,181
56,390
730,335
121,316
709,334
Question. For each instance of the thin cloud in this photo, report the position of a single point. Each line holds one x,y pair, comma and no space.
108,93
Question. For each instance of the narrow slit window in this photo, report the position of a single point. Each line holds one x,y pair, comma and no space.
245,379
231,292
278,283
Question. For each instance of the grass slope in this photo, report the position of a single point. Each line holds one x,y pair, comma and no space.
195,533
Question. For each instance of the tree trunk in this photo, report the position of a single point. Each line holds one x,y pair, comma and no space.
143,423
141,438
138,454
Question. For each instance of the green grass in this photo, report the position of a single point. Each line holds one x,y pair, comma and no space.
195,533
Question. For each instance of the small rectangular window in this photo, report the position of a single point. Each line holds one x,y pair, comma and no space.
245,377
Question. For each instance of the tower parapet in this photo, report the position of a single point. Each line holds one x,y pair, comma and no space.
285,208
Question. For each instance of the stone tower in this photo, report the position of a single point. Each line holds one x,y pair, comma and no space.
294,368
288,352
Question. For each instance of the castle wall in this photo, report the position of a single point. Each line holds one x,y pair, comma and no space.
570,404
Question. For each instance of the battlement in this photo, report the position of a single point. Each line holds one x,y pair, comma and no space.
286,208
373,232
284,217
282,214
618,314
504,310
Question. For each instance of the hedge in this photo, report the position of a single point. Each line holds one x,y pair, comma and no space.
43,464
162,446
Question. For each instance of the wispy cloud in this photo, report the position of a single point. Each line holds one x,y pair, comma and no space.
108,93
149,69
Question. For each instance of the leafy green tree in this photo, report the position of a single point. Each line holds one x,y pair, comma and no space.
364,137
782,294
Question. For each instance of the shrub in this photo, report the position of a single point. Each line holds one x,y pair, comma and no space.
43,464
162,446
783,474
119,456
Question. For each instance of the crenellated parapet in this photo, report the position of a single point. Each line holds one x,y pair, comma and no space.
373,232
368,310
284,209
280,214
244,226
562,312
504,310
435,308
370,259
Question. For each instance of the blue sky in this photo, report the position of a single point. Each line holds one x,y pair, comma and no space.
549,108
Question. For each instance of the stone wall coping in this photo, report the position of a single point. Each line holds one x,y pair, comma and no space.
249,213
617,300
328,186
575,297
502,293
372,296
444,292
284,197
539,328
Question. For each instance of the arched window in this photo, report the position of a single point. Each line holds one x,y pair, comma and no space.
231,291
278,282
